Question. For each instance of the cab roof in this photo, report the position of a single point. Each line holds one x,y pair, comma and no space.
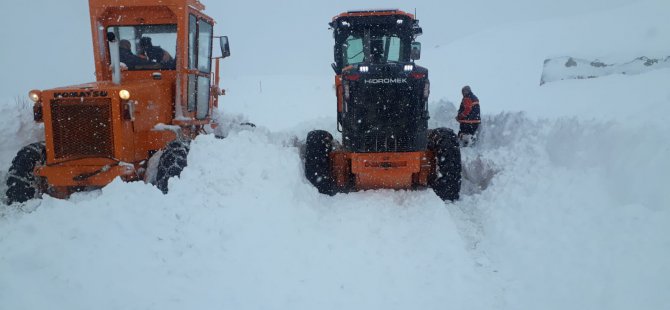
374,12
392,18
146,3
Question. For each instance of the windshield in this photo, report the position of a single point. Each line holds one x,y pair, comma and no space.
147,47
383,48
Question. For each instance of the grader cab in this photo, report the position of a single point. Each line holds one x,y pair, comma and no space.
157,82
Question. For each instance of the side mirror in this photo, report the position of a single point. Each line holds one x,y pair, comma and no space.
225,47
416,30
416,51
335,68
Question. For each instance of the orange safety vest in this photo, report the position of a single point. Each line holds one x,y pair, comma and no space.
469,110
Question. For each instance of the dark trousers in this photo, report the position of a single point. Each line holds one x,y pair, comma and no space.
468,129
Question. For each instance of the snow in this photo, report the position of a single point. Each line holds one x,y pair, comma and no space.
18,129
564,206
161,126
564,68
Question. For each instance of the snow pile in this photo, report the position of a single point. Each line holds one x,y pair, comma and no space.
18,129
232,230
575,219
555,228
564,68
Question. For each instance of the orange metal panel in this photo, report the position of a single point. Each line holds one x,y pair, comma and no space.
68,175
382,170
341,168
427,171
152,140
385,170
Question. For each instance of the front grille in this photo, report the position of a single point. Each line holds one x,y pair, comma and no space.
385,118
82,128
387,141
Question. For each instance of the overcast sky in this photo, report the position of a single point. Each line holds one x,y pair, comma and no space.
48,43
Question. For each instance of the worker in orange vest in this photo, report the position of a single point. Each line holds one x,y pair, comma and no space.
468,116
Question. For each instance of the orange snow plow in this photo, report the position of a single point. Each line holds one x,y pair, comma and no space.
156,86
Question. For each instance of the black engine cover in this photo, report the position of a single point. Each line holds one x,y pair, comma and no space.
386,110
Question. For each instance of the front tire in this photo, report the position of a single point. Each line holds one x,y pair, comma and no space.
171,163
318,147
22,183
447,182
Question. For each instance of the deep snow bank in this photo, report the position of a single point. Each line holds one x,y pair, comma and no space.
567,221
242,229
17,127
565,68
577,217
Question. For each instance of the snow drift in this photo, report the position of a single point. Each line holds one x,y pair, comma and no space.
564,68
551,222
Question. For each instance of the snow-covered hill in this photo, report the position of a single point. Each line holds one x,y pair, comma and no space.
565,203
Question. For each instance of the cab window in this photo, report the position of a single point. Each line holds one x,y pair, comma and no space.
353,50
200,53
147,47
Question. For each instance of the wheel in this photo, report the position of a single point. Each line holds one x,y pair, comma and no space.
447,181
22,183
317,161
171,163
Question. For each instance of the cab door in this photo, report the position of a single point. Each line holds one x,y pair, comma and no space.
199,65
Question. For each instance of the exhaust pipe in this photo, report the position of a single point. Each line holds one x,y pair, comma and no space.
115,58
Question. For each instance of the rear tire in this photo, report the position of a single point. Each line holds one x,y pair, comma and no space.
317,161
447,182
171,163
22,183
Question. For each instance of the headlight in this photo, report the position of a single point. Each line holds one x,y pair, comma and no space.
409,67
124,94
34,95
363,68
